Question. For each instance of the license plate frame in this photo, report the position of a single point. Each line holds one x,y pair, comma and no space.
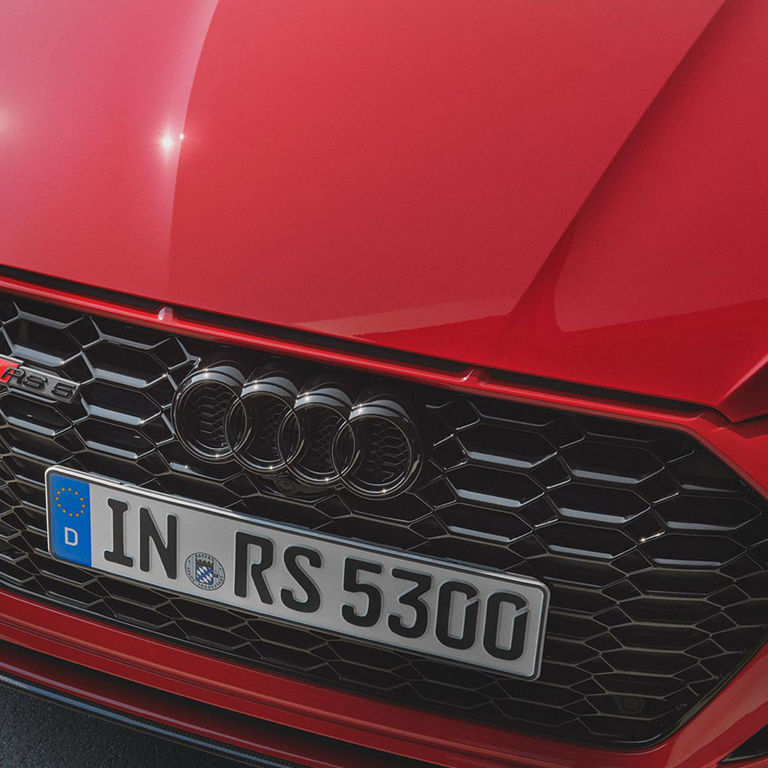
509,618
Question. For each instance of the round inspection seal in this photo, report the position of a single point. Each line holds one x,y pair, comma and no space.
204,571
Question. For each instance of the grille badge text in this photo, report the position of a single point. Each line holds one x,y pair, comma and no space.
18,376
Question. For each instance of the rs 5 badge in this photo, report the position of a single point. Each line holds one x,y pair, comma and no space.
17,375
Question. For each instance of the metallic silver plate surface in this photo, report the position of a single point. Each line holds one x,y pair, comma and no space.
434,607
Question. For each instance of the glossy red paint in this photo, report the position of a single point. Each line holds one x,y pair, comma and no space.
548,188
737,712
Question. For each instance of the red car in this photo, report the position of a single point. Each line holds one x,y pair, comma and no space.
385,382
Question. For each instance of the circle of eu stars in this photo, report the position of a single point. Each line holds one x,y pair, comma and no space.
70,502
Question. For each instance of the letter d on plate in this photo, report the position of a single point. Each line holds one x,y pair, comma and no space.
69,502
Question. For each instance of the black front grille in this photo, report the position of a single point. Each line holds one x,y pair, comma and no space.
654,551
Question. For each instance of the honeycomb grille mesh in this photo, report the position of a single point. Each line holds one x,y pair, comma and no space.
654,551
263,441
320,425
388,456
207,407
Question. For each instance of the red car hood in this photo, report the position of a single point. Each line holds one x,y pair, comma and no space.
553,189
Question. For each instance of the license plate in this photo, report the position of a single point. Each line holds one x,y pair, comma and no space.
427,606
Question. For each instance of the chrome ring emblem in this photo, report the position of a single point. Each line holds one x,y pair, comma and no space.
306,435
319,431
256,418
375,451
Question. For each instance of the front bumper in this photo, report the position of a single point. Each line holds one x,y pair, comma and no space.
212,702
202,726
357,719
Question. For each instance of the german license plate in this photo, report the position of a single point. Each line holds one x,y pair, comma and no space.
424,605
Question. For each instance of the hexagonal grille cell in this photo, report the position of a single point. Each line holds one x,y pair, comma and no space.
654,550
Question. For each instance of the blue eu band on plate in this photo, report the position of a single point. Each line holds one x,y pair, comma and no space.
70,518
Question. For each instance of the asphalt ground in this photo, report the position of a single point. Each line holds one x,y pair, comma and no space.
37,734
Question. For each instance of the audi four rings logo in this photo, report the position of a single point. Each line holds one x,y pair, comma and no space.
321,431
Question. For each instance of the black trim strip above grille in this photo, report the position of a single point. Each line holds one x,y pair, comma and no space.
602,393
70,286
238,324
